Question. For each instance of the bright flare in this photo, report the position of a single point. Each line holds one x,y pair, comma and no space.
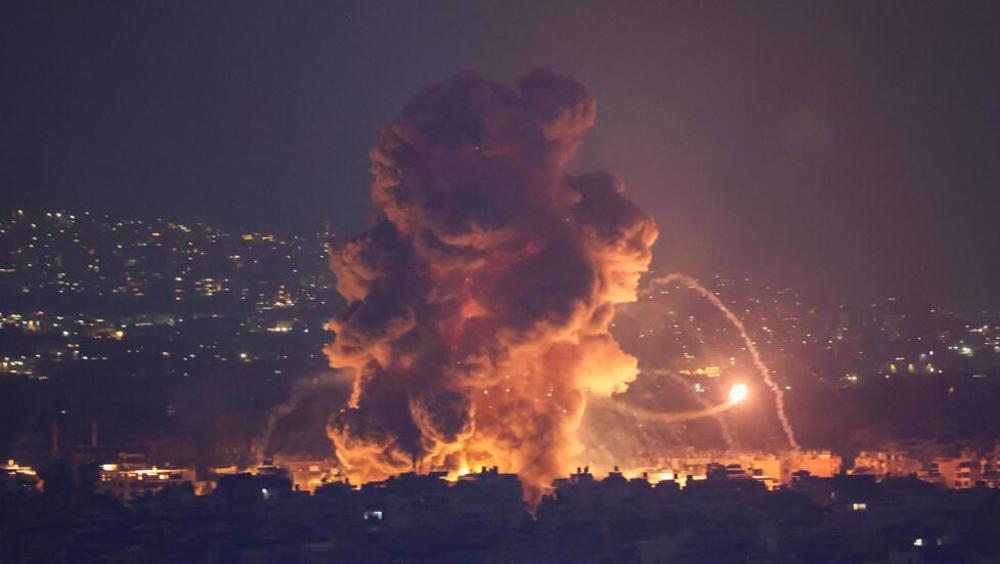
738,393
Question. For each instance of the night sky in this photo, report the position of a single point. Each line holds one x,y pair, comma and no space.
847,148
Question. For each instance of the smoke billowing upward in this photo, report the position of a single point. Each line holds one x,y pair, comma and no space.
480,298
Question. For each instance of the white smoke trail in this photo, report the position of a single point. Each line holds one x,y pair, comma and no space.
765,372
676,416
727,434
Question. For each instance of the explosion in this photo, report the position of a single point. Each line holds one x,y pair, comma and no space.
481,297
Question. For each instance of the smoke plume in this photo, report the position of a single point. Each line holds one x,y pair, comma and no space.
323,388
481,296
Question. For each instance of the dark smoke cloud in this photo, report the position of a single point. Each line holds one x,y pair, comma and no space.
290,426
480,298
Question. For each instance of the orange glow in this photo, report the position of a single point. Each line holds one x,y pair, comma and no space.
454,475
472,308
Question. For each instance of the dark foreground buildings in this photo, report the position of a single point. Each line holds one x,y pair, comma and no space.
728,517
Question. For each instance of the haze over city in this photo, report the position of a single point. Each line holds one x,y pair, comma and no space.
843,144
